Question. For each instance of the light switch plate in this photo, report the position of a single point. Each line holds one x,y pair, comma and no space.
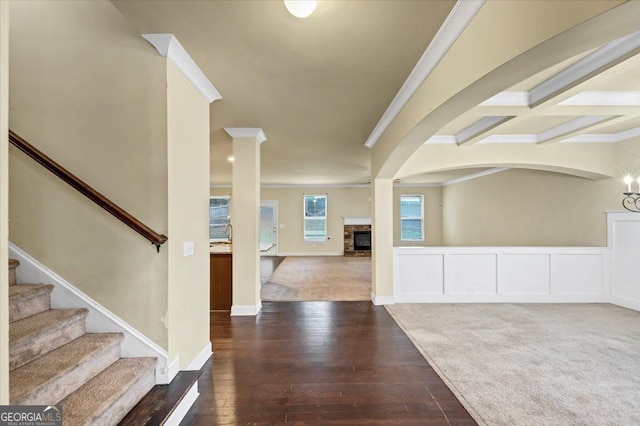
189,248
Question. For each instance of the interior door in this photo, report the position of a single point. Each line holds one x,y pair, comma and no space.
268,228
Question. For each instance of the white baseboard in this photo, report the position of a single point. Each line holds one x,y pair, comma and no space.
311,253
174,368
502,298
625,303
99,319
245,310
382,300
201,358
183,407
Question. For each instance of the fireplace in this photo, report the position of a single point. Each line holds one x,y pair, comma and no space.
357,236
362,240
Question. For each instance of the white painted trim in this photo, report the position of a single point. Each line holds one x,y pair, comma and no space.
500,298
434,274
475,175
604,98
458,19
183,406
174,368
606,137
201,359
592,63
442,140
417,185
246,310
169,47
382,300
300,185
246,133
572,126
481,126
311,253
99,319
356,220
507,99
526,138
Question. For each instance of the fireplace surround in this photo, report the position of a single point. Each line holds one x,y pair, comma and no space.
357,237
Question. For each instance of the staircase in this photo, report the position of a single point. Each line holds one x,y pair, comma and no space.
53,360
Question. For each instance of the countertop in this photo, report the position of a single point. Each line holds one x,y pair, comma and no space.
220,248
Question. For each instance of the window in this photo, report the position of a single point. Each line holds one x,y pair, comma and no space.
411,218
219,218
315,218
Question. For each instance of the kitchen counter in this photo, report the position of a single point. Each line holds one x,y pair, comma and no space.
220,248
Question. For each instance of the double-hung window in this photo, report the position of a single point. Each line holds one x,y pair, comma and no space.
315,218
219,207
412,218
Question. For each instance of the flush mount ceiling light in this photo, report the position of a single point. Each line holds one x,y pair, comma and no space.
300,8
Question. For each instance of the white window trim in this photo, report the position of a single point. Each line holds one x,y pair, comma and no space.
220,197
413,217
326,221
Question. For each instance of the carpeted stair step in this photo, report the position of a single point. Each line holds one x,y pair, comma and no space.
109,396
13,264
28,299
38,334
52,377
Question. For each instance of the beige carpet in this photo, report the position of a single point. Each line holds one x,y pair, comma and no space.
319,278
533,364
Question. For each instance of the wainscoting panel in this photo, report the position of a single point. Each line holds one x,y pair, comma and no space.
501,274
472,273
578,274
525,274
623,231
421,274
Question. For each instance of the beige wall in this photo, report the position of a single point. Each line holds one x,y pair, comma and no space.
4,200
188,189
432,215
528,208
91,93
343,201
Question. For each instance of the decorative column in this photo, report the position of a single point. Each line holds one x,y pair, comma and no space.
382,241
245,220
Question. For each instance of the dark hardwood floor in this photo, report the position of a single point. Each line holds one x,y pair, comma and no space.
316,363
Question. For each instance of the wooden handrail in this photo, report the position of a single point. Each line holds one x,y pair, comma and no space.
89,192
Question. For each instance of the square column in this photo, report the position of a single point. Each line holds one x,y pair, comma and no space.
245,220
382,241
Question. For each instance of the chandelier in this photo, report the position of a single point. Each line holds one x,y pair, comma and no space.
631,200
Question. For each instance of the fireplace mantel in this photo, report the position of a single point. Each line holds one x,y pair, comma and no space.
357,220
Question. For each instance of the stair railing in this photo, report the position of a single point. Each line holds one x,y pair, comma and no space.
86,190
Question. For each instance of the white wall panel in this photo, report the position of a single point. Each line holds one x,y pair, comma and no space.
503,274
577,274
623,231
420,274
472,273
525,274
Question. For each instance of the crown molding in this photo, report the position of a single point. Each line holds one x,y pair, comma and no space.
507,99
246,133
300,185
475,175
457,20
604,98
169,47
